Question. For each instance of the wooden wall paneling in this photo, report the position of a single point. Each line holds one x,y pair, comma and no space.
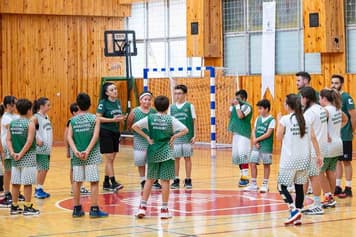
195,43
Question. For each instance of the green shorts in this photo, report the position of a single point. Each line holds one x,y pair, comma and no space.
329,164
161,170
42,162
7,164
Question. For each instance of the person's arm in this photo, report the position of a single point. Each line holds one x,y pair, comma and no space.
29,141
9,143
178,127
66,142
71,142
265,136
130,119
319,159
243,110
115,119
352,113
344,119
137,127
281,128
93,140
195,124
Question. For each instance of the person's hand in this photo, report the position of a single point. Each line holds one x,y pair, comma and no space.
192,141
84,155
149,140
234,102
258,146
319,161
39,142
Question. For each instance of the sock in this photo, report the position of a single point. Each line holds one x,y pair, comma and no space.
94,208
348,183
143,203
328,194
265,181
142,178
27,204
338,182
244,172
177,177
15,204
291,206
317,201
39,186
112,179
164,205
253,181
106,179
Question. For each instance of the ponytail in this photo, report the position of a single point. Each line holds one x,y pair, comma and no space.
294,104
310,94
2,109
332,96
104,90
37,104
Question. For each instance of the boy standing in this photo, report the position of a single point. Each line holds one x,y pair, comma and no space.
22,148
83,133
185,113
162,129
262,139
240,126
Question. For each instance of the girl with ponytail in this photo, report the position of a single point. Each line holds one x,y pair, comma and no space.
296,136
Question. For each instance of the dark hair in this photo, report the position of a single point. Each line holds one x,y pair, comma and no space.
161,103
181,87
37,104
304,75
341,78
104,90
83,101
23,106
9,100
73,108
2,110
265,104
242,93
332,96
310,94
294,104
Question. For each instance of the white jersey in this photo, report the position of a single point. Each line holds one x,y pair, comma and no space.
295,151
318,117
45,133
335,146
5,121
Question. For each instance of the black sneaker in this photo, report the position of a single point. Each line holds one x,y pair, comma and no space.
21,197
107,186
5,203
338,191
8,196
348,192
156,185
188,183
15,210
143,184
78,211
175,184
30,211
116,186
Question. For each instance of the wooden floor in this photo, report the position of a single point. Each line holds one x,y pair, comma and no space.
214,207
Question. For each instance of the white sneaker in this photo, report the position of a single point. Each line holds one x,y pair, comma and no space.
291,189
264,188
141,213
313,210
251,188
310,189
165,214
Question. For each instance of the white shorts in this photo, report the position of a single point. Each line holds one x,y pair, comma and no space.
89,173
257,156
139,157
288,177
23,175
182,150
241,147
313,169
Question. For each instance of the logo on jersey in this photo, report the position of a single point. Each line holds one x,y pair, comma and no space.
351,102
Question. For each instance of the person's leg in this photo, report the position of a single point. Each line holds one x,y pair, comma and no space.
188,167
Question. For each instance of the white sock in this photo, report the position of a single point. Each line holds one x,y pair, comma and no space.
177,177
253,181
348,183
338,182
142,178
244,172
265,181
39,186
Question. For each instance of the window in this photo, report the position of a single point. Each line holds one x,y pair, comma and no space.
160,27
243,37
350,9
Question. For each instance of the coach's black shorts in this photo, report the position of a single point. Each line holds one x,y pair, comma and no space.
347,145
109,141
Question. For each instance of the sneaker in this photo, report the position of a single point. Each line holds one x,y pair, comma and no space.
338,191
348,192
5,203
291,189
143,184
21,197
243,181
141,213
314,210
156,185
251,188
175,184
84,191
294,215
8,196
264,188
165,214
107,186
78,211
188,183
40,194
95,212
298,222
15,210
30,211
116,186
310,190
328,202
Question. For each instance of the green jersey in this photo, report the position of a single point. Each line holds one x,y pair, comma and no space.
109,109
139,142
241,126
184,115
19,132
83,130
347,104
261,128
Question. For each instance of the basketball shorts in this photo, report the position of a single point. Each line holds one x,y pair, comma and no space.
7,164
289,177
329,164
89,173
23,175
109,141
139,157
241,147
257,156
182,150
313,169
347,146
161,170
